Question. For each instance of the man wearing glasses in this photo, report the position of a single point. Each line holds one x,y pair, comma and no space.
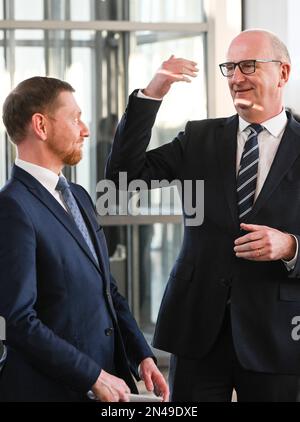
228,312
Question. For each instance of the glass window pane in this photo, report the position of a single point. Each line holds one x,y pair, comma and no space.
80,77
148,54
292,41
82,35
1,9
166,11
80,11
29,9
5,84
29,34
29,61
159,247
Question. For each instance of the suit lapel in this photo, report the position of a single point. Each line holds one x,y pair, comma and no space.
56,209
226,141
288,152
103,260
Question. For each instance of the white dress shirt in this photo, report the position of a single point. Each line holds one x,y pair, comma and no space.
46,177
268,143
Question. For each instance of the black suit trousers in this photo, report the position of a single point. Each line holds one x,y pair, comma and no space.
213,378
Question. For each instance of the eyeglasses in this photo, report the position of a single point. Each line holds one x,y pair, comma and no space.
246,66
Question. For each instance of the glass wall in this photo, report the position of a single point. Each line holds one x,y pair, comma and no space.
166,11
104,66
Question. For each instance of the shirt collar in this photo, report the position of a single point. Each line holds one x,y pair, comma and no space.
46,177
274,126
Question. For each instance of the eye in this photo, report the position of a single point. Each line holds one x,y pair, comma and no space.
229,66
247,65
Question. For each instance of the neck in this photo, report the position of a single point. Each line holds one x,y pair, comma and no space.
256,116
40,159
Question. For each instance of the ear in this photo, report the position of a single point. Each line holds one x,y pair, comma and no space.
284,74
39,125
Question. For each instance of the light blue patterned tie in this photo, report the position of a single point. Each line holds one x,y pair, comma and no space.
71,205
247,176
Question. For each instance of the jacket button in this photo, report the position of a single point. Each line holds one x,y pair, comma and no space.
109,331
225,282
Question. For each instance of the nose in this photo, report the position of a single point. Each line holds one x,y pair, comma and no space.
84,130
237,76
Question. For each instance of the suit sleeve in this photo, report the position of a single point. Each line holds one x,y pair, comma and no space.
295,272
136,346
128,153
49,353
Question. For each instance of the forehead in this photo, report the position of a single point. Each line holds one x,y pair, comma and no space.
67,102
250,46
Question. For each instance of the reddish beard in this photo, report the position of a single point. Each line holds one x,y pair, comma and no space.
73,158
70,158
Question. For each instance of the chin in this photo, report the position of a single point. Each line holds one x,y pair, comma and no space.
73,159
242,103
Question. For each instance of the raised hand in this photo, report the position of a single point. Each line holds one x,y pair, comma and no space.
171,70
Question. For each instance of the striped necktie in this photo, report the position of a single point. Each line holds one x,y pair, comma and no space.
71,205
247,175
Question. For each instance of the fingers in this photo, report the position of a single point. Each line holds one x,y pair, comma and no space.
161,387
252,227
250,246
153,379
249,237
171,70
180,67
148,382
109,388
179,61
257,255
108,394
263,243
158,384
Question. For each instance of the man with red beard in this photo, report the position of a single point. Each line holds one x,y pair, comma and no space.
69,331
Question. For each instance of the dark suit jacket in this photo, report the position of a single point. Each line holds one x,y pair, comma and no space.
264,295
65,318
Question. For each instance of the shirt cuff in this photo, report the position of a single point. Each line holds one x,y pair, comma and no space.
141,95
290,265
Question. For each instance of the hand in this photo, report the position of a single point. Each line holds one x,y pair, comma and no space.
264,243
172,70
109,388
153,378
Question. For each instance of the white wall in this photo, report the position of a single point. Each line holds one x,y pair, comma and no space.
224,23
282,18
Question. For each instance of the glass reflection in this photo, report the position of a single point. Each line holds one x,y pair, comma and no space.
159,247
29,9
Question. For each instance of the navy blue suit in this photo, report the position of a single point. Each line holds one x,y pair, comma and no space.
265,296
65,318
